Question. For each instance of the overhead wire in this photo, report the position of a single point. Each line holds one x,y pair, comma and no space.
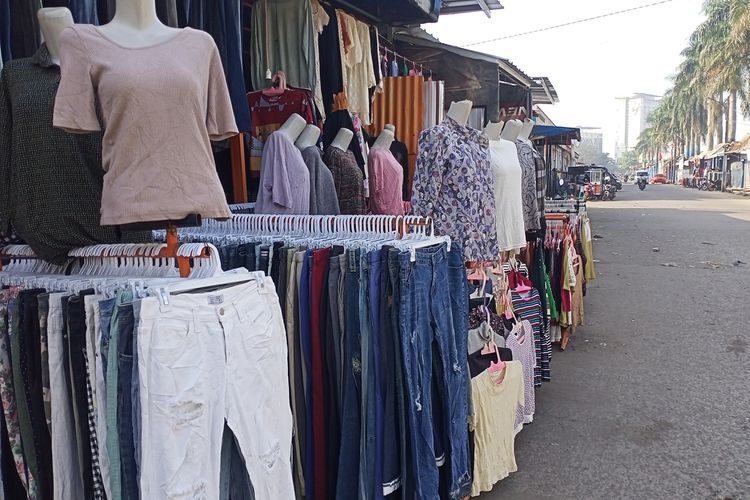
570,23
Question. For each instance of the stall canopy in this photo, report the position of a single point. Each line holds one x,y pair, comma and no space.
406,12
717,151
740,146
561,136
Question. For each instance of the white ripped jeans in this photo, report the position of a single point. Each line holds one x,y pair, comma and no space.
204,358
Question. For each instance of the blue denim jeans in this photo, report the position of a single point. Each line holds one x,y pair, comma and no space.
84,11
347,485
428,307
367,402
106,309
375,396
125,335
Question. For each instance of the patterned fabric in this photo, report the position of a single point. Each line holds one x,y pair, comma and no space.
529,193
44,354
478,315
349,181
453,184
93,440
528,307
541,181
8,308
50,181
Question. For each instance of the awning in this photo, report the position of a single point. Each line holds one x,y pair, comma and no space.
555,135
390,12
543,91
461,6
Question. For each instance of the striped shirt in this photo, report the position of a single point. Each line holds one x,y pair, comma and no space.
528,307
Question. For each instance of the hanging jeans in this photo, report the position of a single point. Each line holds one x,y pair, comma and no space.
428,315
207,358
347,485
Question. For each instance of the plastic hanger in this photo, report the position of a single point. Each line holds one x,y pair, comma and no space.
278,85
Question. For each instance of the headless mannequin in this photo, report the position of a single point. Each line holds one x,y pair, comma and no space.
293,127
52,21
459,111
493,129
343,139
528,125
385,139
511,130
308,137
135,25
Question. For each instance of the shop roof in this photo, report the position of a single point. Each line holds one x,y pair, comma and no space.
419,37
543,91
740,146
717,151
405,12
461,6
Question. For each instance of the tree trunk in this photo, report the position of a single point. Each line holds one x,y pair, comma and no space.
711,111
732,117
720,119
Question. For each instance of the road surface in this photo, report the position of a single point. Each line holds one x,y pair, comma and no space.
652,397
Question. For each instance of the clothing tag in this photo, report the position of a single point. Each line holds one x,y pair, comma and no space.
214,300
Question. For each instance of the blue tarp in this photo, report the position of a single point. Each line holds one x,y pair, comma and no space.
556,135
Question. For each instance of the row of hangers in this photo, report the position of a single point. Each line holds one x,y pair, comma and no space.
408,233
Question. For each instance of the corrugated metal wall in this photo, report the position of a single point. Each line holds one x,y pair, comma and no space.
401,104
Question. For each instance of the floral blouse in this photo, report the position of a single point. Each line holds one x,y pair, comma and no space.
528,186
453,184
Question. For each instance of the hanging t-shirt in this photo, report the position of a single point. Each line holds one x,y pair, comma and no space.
495,397
284,179
528,307
356,64
386,180
506,172
521,342
161,106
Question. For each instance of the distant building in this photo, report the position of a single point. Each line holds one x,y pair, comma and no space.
632,117
592,139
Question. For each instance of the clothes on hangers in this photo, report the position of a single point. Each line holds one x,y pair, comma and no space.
356,64
529,193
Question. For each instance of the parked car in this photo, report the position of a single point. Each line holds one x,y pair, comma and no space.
659,179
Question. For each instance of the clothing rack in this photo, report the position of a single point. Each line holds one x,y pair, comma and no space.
186,257
385,51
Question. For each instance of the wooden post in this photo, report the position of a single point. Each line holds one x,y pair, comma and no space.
239,170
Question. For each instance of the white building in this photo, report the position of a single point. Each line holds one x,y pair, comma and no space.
631,118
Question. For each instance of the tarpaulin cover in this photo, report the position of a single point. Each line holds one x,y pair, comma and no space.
555,135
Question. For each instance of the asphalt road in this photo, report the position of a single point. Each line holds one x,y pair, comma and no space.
651,400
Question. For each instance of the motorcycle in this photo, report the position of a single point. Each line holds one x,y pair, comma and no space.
609,192
641,184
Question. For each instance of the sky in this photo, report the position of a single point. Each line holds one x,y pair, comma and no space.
589,63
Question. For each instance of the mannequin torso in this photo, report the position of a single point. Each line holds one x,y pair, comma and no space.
493,129
136,25
459,111
293,127
384,140
308,137
528,125
52,21
511,130
343,139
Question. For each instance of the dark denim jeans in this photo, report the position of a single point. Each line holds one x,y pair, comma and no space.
348,475
129,475
367,437
427,316
308,464
84,11
375,395
106,308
